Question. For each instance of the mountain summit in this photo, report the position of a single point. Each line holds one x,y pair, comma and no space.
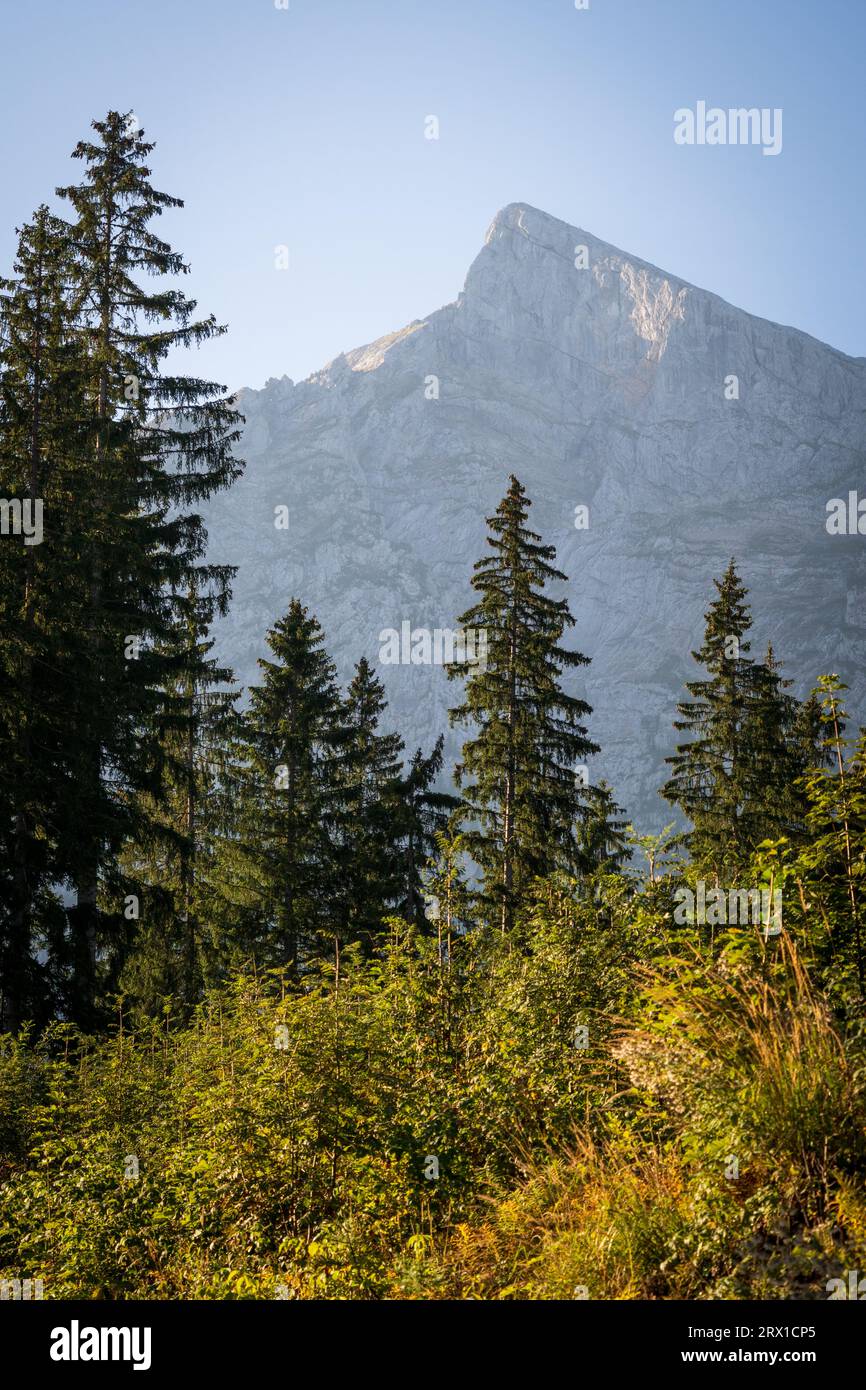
658,431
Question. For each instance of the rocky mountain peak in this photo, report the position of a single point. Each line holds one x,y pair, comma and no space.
681,429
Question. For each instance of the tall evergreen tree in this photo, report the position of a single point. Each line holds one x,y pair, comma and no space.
518,766
168,874
373,812
711,780
603,833
736,777
42,443
834,855
784,738
424,814
280,867
161,442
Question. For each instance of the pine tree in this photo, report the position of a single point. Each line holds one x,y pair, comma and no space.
168,873
42,441
834,855
280,868
783,737
518,771
603,833
370,866
424,815
735,779
707,781
160,442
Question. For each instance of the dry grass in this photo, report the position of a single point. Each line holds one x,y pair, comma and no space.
726,1060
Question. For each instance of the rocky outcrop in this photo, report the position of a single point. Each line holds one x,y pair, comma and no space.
691,431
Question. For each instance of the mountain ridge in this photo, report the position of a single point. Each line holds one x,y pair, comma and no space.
601,386
523,207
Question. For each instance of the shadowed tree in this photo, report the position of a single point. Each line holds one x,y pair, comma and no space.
160,443
518,768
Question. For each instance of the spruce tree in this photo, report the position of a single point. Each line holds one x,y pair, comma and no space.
783,738
834,855
736,777
518,768
710,781
423,814
42,442
280,867
603,833
370,865
168,876
160,443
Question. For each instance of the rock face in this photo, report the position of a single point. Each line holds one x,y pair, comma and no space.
602,383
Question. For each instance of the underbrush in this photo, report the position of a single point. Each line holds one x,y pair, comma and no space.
422,1134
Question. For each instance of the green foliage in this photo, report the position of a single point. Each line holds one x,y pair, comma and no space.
735,777
519,767
284,1136
279,860
120,452
733,1169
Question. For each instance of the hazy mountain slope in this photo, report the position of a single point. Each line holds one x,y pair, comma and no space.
601,386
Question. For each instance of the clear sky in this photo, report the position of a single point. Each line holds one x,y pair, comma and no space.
306,127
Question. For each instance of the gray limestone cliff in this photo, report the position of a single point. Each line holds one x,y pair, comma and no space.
604,383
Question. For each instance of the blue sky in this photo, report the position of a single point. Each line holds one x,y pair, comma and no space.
305,127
